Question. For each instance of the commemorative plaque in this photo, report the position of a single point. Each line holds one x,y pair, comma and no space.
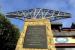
35,37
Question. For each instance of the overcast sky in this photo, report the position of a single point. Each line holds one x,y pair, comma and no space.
61,5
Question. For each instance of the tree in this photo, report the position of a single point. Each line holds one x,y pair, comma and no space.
9,34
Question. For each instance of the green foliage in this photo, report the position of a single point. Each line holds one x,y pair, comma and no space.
9,34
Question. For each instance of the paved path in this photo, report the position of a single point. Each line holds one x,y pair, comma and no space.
65,48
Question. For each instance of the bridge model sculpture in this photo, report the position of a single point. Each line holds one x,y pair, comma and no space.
37,33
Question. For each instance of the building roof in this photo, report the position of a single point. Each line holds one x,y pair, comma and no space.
57,26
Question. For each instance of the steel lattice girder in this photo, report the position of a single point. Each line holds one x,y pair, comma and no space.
39,13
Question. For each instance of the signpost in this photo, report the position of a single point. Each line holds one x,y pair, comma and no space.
35,37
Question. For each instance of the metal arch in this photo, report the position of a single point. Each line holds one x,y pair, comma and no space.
39,13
